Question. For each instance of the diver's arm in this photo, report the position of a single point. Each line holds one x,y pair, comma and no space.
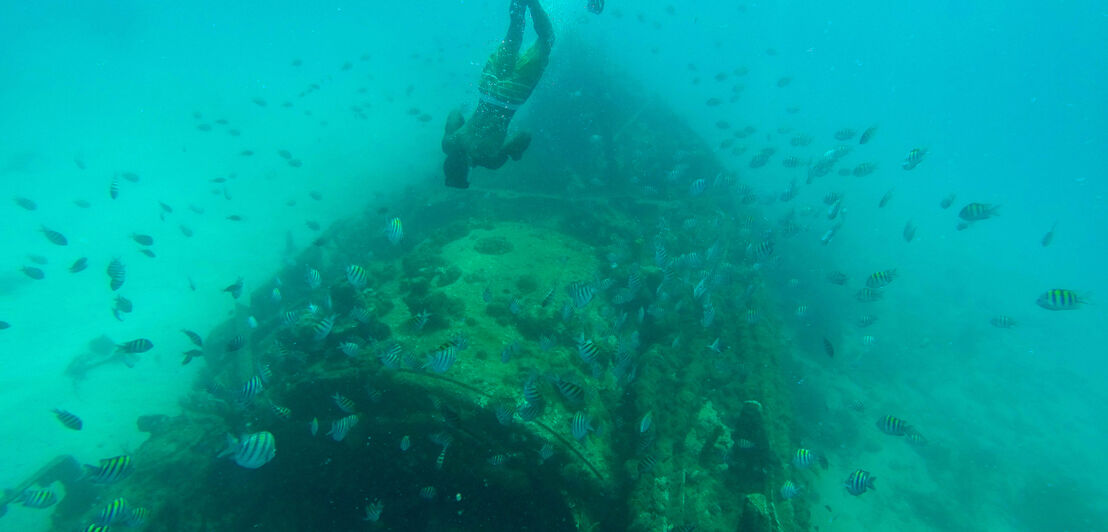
517,22
542,24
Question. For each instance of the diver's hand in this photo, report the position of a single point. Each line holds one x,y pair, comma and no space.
518,7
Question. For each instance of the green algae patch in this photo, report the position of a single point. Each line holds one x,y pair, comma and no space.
538,257
497,245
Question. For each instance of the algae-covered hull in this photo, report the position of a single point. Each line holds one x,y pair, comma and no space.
527,357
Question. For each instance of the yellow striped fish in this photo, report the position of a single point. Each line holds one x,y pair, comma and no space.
881,279
1060,299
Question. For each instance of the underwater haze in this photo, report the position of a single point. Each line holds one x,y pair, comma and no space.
910,200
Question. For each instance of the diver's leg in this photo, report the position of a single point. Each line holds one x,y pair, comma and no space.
515,147
454,121
495,162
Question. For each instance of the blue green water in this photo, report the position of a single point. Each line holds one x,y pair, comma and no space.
1007,98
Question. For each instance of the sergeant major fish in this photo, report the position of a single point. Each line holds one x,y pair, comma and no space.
1060,299
251,450
859,481
914,157
881,279
975,212
110,470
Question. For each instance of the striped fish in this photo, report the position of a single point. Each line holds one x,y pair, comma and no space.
915,438
344,403
505,414
117,273
428,492
390,357
79,265
113,187
264,372
761,251
360,314
322,327
116,511
709,315
138,345
549,297
110,470
701,287
885,199
804,458
251,450
373,511
193,337
1003,322
137,518
530,411
395,231
442,359
580,426
545,452
441,459
581,294
1060,299
789,490
290,318
893,426
341,427
405,443
93,527
881,279
646,464
698,187
38,498
250,390
235,343
913,158
573,392
357,276
661,256
587,350
68,419
53,236
281,411
312,277
867,135
868,295
531,392
349,349
975,212
859,481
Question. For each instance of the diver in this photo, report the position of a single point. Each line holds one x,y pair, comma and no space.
506,82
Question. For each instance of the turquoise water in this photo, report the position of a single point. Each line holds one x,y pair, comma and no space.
1008,100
